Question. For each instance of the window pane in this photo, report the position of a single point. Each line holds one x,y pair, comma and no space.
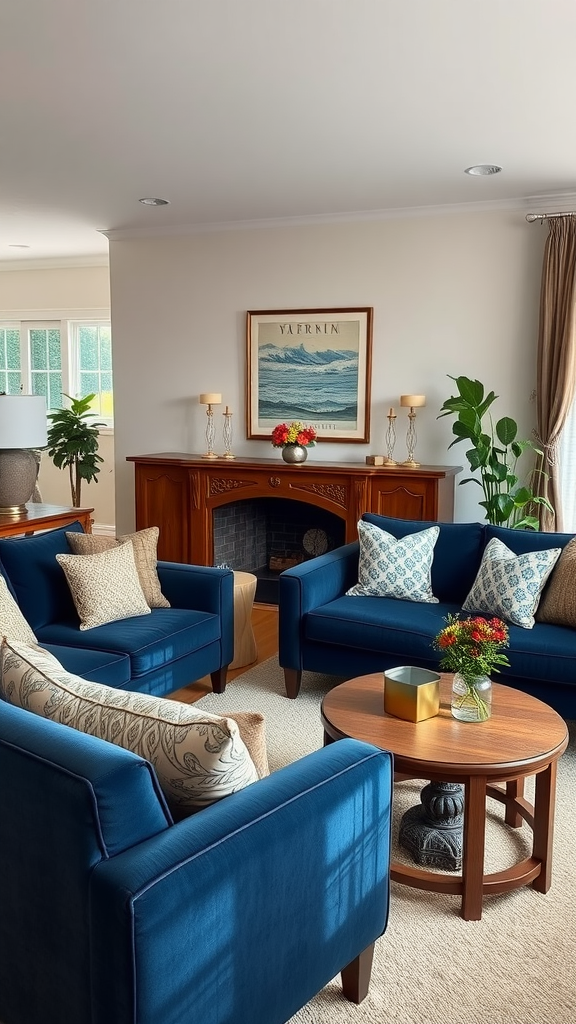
55,391
88,337
38,350
105,349
13,384
54,352
13,350
40,384
89,384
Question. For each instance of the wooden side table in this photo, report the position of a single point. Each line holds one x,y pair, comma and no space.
245,651
523,738
39,516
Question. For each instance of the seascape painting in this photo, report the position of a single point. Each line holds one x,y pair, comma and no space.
310,366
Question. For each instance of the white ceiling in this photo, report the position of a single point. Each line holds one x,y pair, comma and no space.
265,110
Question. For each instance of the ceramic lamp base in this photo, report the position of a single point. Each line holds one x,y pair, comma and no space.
18,472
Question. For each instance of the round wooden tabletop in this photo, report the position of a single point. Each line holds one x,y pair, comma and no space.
522,731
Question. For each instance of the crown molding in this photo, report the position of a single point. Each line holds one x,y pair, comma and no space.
54,263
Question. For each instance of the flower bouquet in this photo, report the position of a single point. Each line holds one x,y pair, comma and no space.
472,649
293,433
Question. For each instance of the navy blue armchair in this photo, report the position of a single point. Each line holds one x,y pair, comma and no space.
112,914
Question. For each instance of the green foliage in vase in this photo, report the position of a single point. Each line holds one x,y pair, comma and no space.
494,453
73,443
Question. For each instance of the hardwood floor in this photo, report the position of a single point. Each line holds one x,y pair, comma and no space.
265,626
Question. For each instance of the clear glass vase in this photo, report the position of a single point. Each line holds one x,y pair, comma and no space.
471,698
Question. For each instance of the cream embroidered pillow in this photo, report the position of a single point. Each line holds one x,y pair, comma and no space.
199,758
145,544
104,587
12,623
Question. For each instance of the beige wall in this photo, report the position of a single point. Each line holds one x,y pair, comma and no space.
452,294
63,291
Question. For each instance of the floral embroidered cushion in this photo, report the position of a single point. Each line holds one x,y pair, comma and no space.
510,585
145,543
105,586
12,623
199,758
395,568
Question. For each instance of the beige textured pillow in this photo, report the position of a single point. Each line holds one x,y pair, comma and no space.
13,625
199,758
558,603
145,544
104,587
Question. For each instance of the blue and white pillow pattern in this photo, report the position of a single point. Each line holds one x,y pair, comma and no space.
395,568
510,585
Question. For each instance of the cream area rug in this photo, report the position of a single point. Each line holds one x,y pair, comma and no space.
515,966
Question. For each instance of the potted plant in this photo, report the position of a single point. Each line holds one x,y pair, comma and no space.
495,452
73,442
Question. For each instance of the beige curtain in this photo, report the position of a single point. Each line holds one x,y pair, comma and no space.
556,365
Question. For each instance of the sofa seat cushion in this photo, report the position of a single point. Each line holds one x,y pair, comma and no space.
544,653
403,629
199,757
101,666
150,641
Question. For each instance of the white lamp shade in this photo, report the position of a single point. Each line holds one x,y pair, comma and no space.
413,401
23,421
210,398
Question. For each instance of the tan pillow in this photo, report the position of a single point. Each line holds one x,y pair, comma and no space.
104,587
13,625
558,604
253,731
145,544
199,758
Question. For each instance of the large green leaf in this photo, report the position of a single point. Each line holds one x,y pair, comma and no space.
506,430
472,391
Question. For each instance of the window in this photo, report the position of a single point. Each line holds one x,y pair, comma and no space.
567,482
59,357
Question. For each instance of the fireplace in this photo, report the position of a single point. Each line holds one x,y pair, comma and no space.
264,536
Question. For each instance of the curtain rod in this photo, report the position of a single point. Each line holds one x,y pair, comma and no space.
531,217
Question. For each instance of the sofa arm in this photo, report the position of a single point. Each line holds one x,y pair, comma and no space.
200,587
308,586
247,909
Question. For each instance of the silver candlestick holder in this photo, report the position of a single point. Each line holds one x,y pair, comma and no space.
227,434
390,439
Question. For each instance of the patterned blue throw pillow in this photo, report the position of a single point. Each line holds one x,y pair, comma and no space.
395,568
510,585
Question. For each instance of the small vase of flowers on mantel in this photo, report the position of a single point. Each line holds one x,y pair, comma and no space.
471,648
294,439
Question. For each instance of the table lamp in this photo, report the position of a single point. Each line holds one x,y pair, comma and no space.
210,398
412,402
23,425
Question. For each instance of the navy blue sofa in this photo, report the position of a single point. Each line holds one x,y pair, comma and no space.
323,630
156,653
239,914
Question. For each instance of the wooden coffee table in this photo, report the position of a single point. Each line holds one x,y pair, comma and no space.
524,737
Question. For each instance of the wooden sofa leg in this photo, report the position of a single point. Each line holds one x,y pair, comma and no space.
219,679
356,976
292,681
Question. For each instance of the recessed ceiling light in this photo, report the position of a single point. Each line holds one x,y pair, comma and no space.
154,202
483,169
14,245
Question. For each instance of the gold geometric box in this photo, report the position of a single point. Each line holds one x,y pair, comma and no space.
411,693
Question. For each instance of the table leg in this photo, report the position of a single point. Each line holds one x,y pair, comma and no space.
544,806
514,791
473,855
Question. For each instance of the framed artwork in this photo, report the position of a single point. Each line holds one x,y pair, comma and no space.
311,365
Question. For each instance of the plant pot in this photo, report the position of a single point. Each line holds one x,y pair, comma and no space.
294,454
471,698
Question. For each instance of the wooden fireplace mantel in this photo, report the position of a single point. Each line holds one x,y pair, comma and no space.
178,493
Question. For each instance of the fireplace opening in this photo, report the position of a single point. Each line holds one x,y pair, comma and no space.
264,536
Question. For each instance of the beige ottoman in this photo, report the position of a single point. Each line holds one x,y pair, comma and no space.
244,643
